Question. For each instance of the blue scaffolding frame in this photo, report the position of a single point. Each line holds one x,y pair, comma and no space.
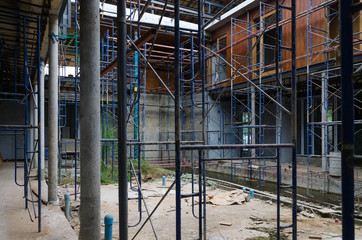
27,50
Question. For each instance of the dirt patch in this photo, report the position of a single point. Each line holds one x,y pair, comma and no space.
254,220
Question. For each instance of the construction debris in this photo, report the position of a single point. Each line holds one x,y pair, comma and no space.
307,214
224,198
256,218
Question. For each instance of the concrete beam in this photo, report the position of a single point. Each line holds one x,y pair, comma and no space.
232,13
147,18
55,6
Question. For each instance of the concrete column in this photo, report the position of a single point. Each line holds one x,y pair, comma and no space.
324,120
53,112
90,124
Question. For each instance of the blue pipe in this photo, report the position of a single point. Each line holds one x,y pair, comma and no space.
136,107
76,102
66,198
108,225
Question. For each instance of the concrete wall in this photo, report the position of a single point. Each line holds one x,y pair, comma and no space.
158,126
11,113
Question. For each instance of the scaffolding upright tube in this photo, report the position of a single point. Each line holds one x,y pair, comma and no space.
177,120
122,120
346,46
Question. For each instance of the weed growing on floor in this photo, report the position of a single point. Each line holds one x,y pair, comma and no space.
106,174
148,171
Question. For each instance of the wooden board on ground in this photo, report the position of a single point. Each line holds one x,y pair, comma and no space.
226,224
315,237
1,159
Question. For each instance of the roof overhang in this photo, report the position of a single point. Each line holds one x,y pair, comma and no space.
232,13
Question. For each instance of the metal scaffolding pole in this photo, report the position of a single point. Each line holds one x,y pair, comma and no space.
177,120
90,214
346,46
41,117
122,120
40,121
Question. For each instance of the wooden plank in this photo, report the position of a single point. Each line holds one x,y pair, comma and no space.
315,237
226,223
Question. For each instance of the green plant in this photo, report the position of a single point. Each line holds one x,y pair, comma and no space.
149,170
106,174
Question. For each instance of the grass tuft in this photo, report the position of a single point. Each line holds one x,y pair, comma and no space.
147,170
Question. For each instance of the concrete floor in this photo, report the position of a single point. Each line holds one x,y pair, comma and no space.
15,222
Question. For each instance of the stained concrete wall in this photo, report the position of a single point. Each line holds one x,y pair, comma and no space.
159,126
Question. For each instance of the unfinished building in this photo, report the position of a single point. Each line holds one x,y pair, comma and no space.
259,95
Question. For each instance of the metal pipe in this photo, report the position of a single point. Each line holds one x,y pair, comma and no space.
90,215
39,122
122,120
177,119
53,112
76,100
66,205
41,117
236,146
346,46
200,195
108,224
294,120
278,193
204,194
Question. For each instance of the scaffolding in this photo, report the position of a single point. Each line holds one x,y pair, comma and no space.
22,85
323,96
218,120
